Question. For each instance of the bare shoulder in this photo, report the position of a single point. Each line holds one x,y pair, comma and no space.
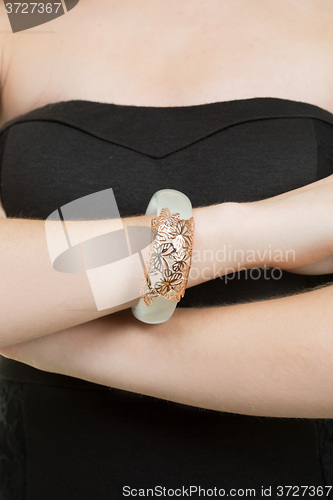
5,30
5,39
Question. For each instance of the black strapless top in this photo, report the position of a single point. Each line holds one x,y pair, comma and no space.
241,150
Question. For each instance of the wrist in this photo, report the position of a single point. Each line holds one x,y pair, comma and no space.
225,241
279,234
247,236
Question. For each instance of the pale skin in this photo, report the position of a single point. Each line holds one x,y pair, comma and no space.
269,358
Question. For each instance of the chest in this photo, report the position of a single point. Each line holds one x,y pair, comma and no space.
169,55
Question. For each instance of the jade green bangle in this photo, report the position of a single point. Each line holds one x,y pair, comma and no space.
169,260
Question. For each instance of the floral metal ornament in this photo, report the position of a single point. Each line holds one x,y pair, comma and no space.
169,259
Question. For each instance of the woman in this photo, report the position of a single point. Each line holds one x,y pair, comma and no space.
231,103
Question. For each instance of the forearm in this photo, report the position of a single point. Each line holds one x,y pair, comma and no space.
269,358
37,300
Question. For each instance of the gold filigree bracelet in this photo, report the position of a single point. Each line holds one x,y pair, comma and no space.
169,259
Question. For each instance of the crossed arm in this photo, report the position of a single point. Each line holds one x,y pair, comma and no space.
268,358
36,300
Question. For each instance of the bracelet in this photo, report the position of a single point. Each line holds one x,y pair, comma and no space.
170,254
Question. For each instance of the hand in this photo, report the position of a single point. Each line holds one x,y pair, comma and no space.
298,227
